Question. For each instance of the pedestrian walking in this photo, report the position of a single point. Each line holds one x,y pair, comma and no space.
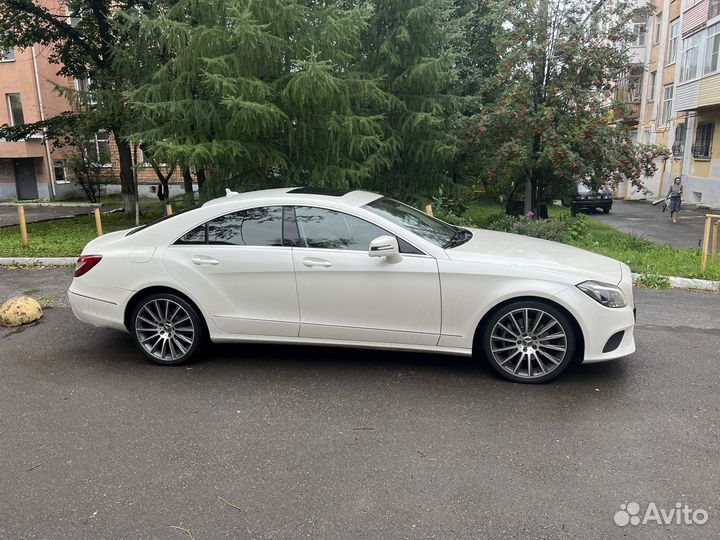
675,195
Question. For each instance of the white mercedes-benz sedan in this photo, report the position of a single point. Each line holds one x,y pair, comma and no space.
356,269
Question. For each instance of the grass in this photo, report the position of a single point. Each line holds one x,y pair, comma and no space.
644,256
67,237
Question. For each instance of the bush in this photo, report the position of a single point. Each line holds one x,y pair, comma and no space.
547,229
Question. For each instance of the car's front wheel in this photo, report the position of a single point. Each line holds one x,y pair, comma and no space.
529,341
166,328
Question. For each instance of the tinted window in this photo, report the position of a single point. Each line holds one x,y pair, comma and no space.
430,228
254,227
321,228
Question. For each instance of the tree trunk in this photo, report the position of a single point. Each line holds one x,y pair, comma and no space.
188,184
200,174
127,179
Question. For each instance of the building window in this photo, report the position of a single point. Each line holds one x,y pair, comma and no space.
714,9
639,29
690,57
667,105
7,55
673,41
678,147
658,28
97,150
712,48
702,149
16,110
691,3
59,170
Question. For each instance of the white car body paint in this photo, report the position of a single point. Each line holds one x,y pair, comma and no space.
424,302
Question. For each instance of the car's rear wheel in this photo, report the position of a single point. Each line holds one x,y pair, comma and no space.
166,328
573,210
529,341
606,210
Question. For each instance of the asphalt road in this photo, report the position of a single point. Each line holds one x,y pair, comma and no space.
642,218
333,443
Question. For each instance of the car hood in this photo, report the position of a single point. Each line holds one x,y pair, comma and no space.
522,251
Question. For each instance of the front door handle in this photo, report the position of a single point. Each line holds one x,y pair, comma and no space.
312,262
203,260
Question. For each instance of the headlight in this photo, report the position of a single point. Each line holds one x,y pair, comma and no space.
604,293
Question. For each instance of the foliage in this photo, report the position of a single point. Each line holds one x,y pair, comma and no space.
553,121
652,281
409,48
579,228
261,93
547,229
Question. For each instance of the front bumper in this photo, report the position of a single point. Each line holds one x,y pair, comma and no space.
599,324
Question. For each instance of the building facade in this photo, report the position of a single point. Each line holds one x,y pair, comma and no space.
29,169
679,102
33,169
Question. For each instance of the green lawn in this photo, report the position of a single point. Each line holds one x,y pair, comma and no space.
67,237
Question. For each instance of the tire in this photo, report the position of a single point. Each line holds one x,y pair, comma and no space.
606,210
573,210
541,337
166,329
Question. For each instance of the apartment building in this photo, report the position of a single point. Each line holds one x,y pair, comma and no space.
30,169
678,103
33,169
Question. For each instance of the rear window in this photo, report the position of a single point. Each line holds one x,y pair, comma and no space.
159,220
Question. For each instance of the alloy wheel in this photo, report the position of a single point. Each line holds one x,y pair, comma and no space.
528,343
165,329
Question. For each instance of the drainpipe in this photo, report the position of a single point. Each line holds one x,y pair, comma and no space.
51,169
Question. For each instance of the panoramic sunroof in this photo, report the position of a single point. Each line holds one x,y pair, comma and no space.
333,192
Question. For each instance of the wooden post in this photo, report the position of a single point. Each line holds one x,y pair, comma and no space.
706,240
23,226
168,210
715,238
428,210
98,222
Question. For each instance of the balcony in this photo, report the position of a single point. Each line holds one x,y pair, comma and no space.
702,152
678,149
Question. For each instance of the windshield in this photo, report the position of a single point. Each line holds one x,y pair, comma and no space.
427,227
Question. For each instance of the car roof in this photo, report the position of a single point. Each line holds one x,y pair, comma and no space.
297,196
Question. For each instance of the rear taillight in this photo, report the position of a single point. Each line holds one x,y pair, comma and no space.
85,263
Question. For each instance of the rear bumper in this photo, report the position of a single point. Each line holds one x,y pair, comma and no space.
101,307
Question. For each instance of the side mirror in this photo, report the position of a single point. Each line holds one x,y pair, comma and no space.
385,246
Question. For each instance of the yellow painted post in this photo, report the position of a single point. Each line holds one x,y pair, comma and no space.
428,210
168,210
23,226
98,222
706,242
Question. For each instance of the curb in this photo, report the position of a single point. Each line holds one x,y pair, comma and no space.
37,261
688,283
52,204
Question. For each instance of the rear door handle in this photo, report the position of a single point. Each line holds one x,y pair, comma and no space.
203,260
312,262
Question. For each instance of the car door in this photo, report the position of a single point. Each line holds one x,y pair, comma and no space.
345,294
240,269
